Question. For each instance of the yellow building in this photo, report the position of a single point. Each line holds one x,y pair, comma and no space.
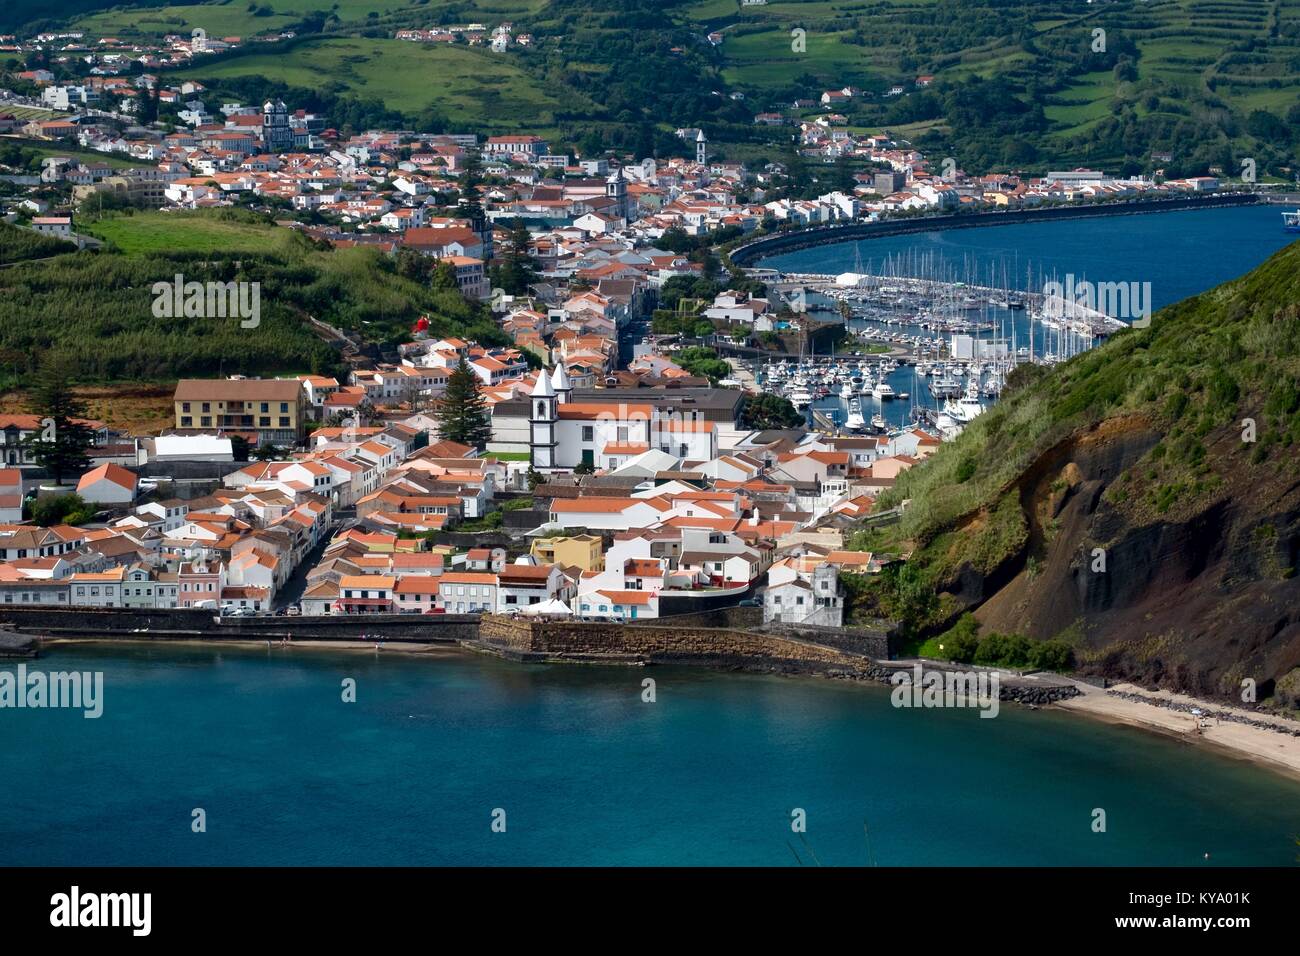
580,550
274,409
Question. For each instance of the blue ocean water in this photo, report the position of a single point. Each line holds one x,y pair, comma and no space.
1180,253
587,773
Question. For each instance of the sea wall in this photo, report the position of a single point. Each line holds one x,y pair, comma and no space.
675,641
749,253
190,624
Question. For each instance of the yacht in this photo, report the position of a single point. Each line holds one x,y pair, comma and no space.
878,422
846,391
963,410
882,391
855,421
944,386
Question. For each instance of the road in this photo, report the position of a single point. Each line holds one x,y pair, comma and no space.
293,589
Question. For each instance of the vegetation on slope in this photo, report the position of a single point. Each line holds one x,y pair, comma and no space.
19,245
1019,84
1215,379
56,307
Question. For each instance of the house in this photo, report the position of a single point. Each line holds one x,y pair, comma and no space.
366,594
98,588
108,484
809,597
416,593
585,551
60,227
271,411
467,592
11,496
520,585
618,605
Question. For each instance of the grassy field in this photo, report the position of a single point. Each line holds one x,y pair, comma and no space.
756,60
139,408
234,18
148,233
471,86
44,149
27,113
1192,58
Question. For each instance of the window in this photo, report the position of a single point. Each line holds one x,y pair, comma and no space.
588,432
265,407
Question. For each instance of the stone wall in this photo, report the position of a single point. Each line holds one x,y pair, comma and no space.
732,616
191,624
664,642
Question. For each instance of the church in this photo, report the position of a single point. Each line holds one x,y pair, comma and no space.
564,434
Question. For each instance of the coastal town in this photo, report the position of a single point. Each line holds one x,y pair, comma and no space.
612,479
649,433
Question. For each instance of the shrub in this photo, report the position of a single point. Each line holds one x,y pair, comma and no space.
1053,655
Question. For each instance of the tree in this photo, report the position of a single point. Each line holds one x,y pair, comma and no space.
62,509
267,452
464,416
517,269
60,444
769,411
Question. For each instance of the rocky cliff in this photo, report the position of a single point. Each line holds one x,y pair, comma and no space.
1141,501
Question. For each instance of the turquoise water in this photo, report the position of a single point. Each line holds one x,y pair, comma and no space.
589,774
1180,253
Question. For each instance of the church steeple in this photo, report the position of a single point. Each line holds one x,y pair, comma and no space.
616,189
560,382
542,417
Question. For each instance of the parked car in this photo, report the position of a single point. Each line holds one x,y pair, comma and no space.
242,612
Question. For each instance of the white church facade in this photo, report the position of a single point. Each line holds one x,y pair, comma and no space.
564,435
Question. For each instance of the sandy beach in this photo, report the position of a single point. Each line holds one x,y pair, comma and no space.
1275,749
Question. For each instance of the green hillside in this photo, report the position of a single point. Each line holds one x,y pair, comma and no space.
1173,451
1018,83
54,306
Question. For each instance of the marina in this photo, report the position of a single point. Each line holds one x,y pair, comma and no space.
938,348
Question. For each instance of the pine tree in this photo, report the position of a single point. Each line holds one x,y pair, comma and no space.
60,443
464,416
517,269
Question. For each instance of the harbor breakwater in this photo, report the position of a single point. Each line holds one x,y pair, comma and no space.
749,253
723,638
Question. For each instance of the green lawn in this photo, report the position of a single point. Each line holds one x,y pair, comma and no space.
146,233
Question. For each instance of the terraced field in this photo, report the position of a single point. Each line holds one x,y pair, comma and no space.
1168,72
474,87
